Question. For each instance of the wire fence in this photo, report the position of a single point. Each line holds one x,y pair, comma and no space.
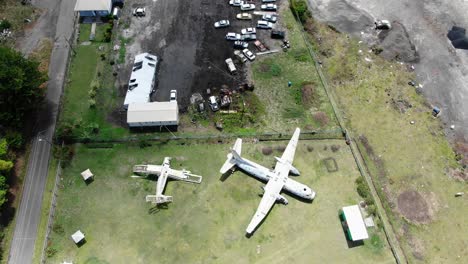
50,220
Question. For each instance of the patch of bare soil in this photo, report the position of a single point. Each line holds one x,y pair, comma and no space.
397,45
267,151
264,67
417,245
280,148
310,148
458,174
401,105
413,206
321,118
309,95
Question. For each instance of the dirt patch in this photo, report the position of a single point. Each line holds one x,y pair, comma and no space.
267,151
264,67
397,45
379,163
310,148
309,95
280,148
413,206
417,245
461,148
321,118
458,174
335,148
401,105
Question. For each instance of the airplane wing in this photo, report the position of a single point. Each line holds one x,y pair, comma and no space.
270,196
288,154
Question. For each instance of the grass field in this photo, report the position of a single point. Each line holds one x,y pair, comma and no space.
90,95
379,105
205,223
292,105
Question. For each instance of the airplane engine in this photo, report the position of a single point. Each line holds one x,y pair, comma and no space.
294,171
281,199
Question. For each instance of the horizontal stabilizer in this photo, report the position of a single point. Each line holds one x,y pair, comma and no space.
230,162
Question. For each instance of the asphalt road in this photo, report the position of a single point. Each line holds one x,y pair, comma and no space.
60,15
442,69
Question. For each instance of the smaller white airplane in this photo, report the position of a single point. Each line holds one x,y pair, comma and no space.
164,172
277,179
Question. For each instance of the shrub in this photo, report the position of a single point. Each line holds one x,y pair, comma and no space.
50,252
299,8
4,24
143,143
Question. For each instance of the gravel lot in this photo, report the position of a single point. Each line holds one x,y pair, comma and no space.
191,50
442,69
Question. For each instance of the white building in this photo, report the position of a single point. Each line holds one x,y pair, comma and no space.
78,236
355,226
153,114
93,8
142,79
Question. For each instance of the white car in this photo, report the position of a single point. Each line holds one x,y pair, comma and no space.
173,96
249,30
221,24
264,24
230,64
244,16
249,54
269,7
139,11
270,18
241,56
233,36
247,7
213,103
235,2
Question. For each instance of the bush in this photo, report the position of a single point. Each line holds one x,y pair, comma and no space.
4,24
362,188
299,8
50,252
301,55
143,143
321,118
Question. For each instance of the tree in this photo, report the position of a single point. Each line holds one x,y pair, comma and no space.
5,165
3,190
20,91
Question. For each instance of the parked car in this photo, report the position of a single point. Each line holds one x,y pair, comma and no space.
233,36
248,37
139,11
264,24
235,2
230,64
240,44
383,24
241,56
221,24
173,96
268,1
270,18
249,54
247,7
260,46
268,7
213,102
244,16
276,34
249,30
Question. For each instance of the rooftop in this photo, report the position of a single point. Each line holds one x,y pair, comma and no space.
93,5
142,79
356,225
153,112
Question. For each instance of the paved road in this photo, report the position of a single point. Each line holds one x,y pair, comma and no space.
29,211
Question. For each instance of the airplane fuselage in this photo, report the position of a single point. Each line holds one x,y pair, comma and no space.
264,174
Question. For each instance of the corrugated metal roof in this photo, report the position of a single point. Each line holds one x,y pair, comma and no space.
153,112
141,79
93,5
356,225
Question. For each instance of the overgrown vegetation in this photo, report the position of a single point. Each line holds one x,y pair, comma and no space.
400,155
299,7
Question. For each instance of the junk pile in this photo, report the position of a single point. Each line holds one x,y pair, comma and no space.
457,36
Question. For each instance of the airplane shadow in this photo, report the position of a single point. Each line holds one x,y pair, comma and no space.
158,208
226,175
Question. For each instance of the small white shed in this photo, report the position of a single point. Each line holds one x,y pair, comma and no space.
354,223
87,174
78,236
153,114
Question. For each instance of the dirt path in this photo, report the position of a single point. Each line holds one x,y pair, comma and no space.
442,70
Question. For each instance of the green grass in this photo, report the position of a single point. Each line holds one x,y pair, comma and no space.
46,202
284,105
88,70
206,222
404,156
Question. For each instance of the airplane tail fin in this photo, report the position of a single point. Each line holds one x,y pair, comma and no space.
232,157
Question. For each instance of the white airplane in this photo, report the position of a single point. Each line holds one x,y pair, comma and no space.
164,172
277,179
